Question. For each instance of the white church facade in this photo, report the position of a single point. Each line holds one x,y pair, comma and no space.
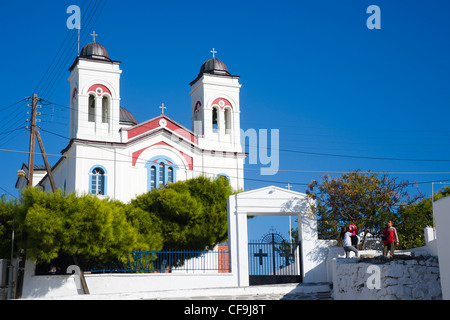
112,155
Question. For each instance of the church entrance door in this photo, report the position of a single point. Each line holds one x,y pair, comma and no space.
273,260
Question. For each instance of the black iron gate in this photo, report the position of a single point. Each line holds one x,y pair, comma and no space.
274,260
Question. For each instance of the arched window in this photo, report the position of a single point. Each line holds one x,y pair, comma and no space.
215,116
227,121
153,177
170,175
161,171
98,181
105,109
223,176
91,106
161,174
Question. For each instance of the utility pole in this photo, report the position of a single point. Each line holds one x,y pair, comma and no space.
22,254
47,166
33,135
32,140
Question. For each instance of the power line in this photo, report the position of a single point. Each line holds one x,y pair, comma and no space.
209,167
397,150
6,108
63,44
57,70
7,192
247,169
364,157
330,154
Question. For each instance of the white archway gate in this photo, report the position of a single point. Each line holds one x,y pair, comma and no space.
275,201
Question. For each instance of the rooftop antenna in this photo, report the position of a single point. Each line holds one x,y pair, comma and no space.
79,27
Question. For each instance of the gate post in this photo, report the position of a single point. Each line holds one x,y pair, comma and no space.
238,242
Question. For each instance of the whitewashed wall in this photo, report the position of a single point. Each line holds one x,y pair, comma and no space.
45,287
442,219
415,279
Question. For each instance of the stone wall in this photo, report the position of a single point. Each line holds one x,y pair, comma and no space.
402,278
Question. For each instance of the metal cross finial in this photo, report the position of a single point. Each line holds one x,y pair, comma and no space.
94,35
213,52
289,186
162,108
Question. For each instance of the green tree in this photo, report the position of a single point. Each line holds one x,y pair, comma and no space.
188,214
366,199
8,209
56,223
192,213
412,219
177,213
96,230
148,228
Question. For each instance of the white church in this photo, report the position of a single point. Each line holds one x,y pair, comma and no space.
111,155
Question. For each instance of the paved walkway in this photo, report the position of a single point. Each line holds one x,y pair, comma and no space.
296,296
291,291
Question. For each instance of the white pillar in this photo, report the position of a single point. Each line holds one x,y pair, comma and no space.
238,242
429,234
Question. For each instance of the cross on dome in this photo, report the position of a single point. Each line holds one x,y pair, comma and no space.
213,52
94,35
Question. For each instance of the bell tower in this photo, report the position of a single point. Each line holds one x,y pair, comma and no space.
215,107
95,95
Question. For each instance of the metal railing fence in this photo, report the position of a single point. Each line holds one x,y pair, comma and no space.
166,261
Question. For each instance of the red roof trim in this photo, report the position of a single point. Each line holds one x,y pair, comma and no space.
154,124
104,89
189,159
222,103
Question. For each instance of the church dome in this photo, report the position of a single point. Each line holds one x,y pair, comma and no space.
215,66
95,50
127,117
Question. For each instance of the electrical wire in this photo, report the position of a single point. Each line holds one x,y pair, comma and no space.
57,70
15,103
232,168
330,154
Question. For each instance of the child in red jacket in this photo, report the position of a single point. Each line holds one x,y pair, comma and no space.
389,238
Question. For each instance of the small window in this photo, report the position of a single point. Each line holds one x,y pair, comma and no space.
91,108
153,177
97,181
170,175
227,121
105,110
161,174
215,119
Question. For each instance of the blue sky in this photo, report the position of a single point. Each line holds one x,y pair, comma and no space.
311,69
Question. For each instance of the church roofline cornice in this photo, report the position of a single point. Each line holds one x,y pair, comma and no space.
200,75
188,144
155,118
93,60
140,129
